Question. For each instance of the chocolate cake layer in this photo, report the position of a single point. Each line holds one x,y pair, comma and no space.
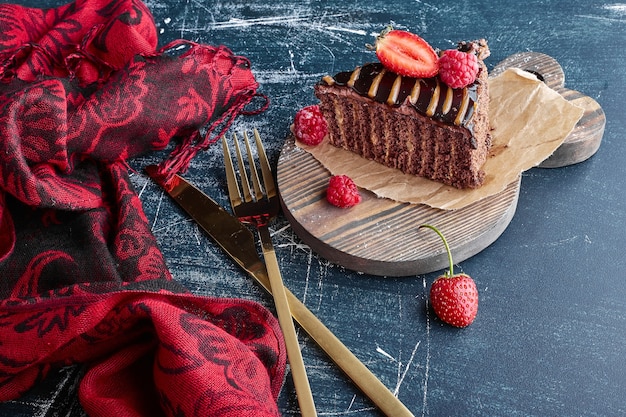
437,133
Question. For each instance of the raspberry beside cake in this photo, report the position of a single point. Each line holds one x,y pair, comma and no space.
421,126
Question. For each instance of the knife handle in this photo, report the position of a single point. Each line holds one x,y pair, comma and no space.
369,384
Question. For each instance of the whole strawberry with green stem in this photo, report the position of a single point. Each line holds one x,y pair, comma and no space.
453,297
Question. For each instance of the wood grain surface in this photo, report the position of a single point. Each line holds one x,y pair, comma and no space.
380,236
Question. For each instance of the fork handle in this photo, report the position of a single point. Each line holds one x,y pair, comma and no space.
369,384
298,371
360,374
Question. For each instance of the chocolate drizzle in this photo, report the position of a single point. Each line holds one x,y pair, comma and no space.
429,96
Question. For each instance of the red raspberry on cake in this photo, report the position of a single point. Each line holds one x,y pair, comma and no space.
458,69
342,192
309,126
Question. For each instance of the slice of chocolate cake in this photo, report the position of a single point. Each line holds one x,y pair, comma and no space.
418,125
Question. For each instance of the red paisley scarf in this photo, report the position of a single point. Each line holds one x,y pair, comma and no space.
82,89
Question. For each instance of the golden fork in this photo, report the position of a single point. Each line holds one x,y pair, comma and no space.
257,206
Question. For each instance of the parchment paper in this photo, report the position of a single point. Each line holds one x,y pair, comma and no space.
529,121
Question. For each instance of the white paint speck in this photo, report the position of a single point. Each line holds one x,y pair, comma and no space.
385,354
619,8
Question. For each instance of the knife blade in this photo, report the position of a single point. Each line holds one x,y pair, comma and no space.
238,242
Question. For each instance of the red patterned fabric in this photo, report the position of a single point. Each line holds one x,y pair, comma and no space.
82,89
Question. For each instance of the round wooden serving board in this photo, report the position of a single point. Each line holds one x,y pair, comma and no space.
381,236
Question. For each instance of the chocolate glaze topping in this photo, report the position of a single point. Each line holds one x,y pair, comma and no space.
429,96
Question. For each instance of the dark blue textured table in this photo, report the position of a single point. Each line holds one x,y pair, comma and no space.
550,336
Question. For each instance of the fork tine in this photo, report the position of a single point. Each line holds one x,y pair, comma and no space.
231,179
245,184
253,169
268,179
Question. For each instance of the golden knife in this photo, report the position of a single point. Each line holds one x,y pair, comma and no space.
238,242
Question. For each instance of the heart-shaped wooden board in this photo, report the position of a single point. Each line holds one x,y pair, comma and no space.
586,137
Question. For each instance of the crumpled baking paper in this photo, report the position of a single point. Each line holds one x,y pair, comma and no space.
529,122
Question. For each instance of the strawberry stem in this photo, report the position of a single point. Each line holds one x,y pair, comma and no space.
445,242
381,35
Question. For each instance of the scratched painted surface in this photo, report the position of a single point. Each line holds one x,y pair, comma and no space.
549,339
